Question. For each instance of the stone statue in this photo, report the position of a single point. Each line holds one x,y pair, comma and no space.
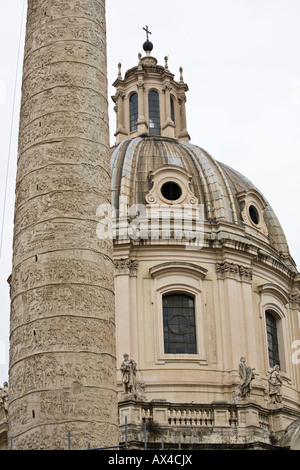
128,368
275,384
246,374
140,391
4,398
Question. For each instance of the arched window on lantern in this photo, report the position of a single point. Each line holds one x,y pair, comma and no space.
133,107
172,109
154,113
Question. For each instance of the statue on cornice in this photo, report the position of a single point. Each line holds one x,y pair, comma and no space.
246,374
275,384
128,368
4,398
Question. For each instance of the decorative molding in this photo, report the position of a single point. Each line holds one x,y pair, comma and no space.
253,198
178,267
171,174
275,291
294,300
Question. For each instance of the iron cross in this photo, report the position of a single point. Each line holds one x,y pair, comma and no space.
147,32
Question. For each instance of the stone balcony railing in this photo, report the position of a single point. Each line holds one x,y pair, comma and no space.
218,422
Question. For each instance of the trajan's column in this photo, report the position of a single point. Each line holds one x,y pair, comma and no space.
62,340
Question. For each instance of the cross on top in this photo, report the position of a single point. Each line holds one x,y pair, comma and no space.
147,32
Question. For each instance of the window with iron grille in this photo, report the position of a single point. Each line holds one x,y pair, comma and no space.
179,324
272,338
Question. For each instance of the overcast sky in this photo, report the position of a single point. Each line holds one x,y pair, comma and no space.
241,61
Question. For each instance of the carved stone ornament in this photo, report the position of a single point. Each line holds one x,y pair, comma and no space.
177,176
126,267
234,271
248,200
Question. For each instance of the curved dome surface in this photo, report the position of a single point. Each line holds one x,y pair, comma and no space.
216,186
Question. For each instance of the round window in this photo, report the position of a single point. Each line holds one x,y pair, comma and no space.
254,215
178,324
171,191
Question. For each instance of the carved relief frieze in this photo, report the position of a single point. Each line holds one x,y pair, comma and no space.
74,151
68,124
55,407
51,372
67,98
58,204
61,271
79,29
79,235
62,334
234,271
64,75
93,10
85,178
81,52
44,302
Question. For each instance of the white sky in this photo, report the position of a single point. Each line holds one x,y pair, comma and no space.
241,60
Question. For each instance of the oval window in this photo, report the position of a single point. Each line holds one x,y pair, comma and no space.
254,215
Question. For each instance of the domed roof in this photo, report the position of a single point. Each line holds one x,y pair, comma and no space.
222,190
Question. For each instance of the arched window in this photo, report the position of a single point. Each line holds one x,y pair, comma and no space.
172,109
133,104
179,324
154,114
272,338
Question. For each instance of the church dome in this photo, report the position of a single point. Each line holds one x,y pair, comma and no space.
154,163
233,207
203,274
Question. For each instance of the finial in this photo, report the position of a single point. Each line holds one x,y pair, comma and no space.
181,74
166,62
119,67
140,60
147,46
147,32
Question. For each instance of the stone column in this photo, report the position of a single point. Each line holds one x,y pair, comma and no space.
142,122
169,126
62,352
120,95
183,128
